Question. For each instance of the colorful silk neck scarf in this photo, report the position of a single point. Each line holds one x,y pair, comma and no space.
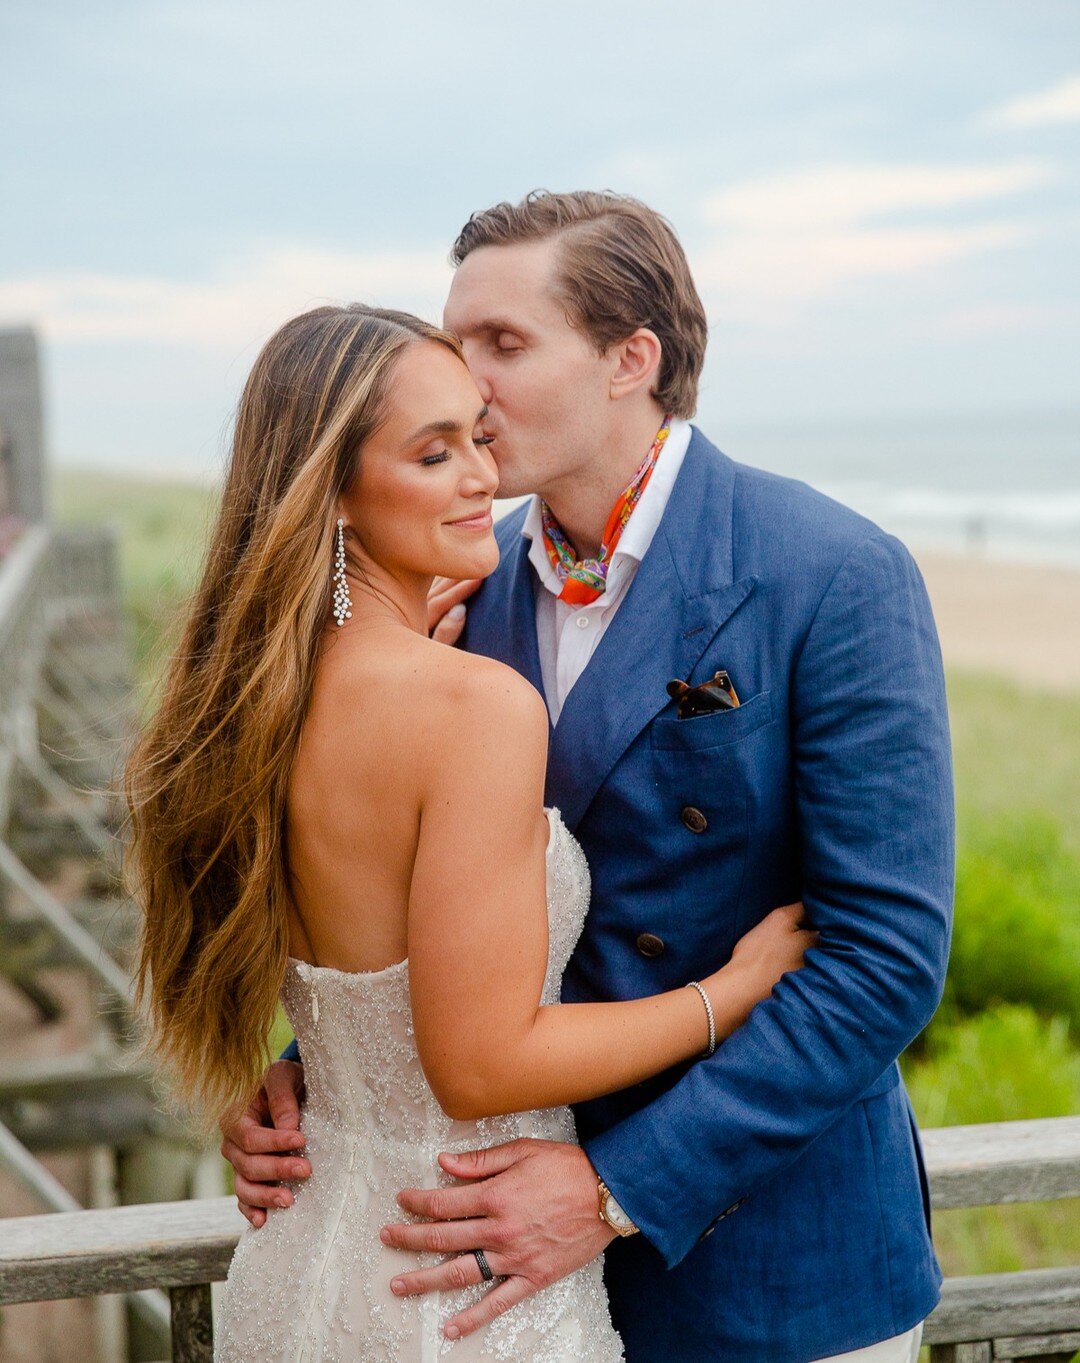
585,580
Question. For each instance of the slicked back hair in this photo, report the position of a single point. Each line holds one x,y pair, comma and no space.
620,267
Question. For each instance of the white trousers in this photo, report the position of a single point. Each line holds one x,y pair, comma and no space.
900,1349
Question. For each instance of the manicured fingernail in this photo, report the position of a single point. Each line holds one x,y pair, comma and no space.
457,612
397,1286
452,1331
384,1236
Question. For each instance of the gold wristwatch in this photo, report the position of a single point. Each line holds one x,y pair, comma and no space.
612,1213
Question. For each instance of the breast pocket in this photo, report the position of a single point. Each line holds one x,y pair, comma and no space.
707,773
671,734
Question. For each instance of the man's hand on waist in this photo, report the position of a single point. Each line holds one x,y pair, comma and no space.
531,1206
265,1145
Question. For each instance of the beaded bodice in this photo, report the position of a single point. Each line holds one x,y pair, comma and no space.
355,1033
313,1283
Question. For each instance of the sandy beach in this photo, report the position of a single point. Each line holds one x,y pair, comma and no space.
1007,617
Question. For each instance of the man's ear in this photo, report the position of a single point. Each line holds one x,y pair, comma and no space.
636,362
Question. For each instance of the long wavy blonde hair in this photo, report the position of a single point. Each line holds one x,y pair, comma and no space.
206,783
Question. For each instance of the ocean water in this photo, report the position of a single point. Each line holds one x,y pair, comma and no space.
1007,486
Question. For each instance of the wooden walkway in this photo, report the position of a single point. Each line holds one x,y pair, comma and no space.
81,1123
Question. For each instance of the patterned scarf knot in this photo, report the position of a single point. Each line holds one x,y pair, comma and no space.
585,580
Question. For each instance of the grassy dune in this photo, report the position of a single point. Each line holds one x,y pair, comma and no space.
1006,1042
162,529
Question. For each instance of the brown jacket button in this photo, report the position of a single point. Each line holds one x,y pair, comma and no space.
694,819
650,945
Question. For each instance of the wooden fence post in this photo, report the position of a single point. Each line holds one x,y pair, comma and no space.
192,1324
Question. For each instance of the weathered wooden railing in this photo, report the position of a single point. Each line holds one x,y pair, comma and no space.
185,1246
65,714
62,692
1032,1314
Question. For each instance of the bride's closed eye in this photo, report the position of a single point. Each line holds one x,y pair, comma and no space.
443,455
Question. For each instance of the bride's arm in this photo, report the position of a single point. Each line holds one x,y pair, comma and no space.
478,936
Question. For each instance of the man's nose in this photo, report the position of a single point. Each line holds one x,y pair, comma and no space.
474,359
484,386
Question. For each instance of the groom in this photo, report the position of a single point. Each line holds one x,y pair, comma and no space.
768,1204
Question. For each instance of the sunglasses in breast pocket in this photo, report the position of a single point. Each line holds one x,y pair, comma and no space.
706,698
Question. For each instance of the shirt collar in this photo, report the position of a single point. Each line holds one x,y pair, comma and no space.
643,523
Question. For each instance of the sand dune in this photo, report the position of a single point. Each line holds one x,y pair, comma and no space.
1006,617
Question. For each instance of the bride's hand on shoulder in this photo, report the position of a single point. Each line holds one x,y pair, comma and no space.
775,946
446,607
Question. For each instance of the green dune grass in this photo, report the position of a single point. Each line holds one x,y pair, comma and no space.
162,528
1005,1044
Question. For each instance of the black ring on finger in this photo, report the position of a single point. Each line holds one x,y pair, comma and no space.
483,1265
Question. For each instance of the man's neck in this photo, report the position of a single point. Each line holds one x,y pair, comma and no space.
582,502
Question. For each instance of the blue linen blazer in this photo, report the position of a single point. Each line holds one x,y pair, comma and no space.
779,1185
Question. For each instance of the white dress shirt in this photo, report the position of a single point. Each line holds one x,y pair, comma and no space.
568,635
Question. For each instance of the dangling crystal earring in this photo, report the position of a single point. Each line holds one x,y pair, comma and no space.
342,600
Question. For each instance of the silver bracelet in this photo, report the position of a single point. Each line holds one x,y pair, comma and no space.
709,1014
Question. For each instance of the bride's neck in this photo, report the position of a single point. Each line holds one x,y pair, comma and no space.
378,599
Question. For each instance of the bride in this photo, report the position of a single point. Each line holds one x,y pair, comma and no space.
331,809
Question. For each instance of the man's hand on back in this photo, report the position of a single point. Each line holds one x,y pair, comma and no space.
446,609
532,1206
264,1145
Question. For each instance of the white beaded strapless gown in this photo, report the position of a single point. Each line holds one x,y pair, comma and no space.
312,1285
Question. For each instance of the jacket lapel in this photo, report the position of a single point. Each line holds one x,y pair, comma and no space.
502,620
681,596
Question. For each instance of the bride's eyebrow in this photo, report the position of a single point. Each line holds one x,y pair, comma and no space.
446,427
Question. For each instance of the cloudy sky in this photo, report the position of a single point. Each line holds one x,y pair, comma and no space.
881,201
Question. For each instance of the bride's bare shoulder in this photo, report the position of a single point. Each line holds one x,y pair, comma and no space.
437,693
478,690
436,726
485,730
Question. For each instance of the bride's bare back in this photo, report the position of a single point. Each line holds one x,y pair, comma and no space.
382,704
